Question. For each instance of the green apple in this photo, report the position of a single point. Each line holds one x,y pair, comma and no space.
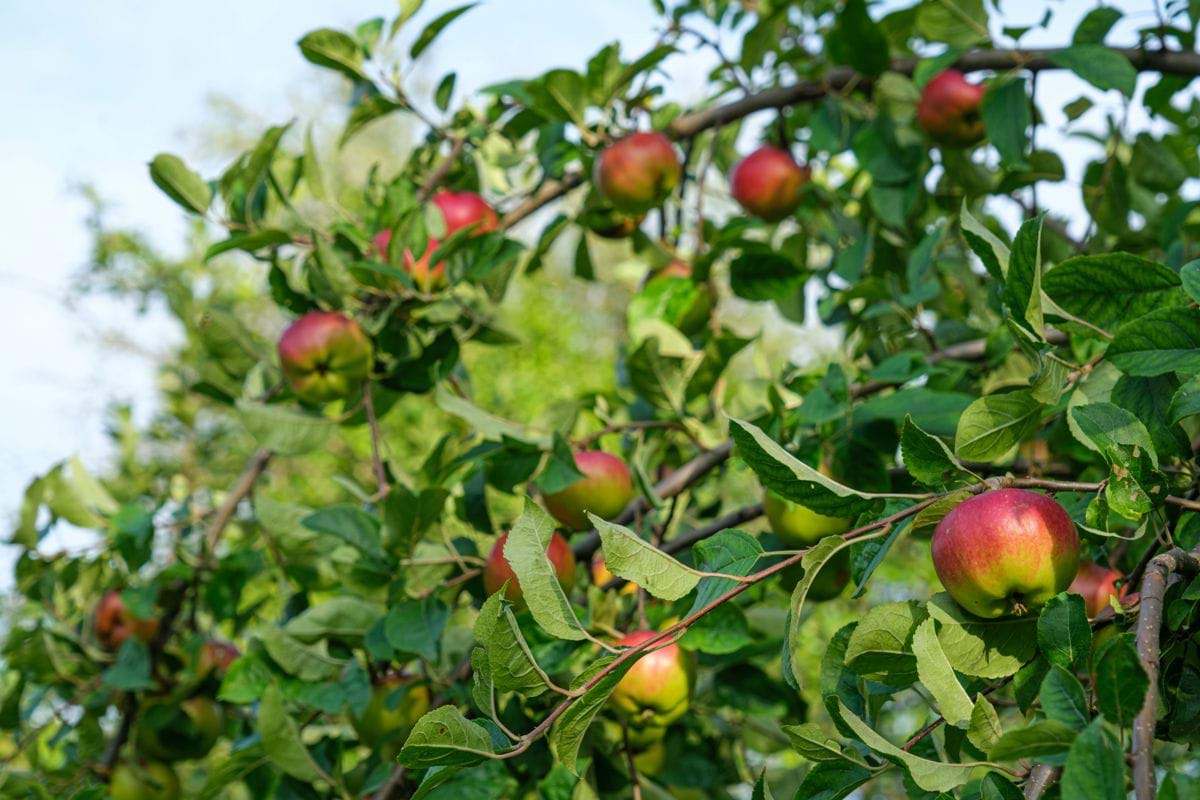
146,780
656,691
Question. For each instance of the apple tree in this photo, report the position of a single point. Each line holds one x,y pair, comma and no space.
477,472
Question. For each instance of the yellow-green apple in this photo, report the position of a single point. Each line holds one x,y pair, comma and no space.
798,526
1096,584
830,582
497,570
459,210
144,780
325,356
638,172
949,110
397,702
113,623
605,489
769,183
175,731
1005,552
651,760
692,313
656,690
601,576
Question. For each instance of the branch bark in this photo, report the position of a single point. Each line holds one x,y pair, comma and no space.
1041,778
239,491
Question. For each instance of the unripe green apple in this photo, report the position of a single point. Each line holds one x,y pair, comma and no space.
656,691
605,489
949,110
798,526
145,780
169,731
325,356
690,316
497,570
769,183
830,582
113,623
397,702
651,760
1005,551
1096,584
638,172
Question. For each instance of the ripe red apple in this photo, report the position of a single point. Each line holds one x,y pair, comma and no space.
1096,584
114,623
144,780
459,210
215,657
325,356
769,183
694,315
638,172
169,731
656,691
601,575
397,702
497,570
1005,552
605,490
949,110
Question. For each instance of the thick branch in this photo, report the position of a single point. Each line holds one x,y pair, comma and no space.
1041,778
546,193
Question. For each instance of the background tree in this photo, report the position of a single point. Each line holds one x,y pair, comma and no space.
301,586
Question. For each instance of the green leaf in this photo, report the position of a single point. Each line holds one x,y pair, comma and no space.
958,23
284,430
1006,117
926,457
984,729
444,738
366,111
1095,767
281,739
1063,698
178,182
629,556
131,671
1063,633
415,627
662,364
248,677
1190,276
345,618
1095,25
566,735
445,91
560,470
812,563
762,789
511,665
1045,738
829,781
1121,682
993,425
306,662
426,37
333,50
856,40
1099,66
992,252
760,275
1023,281
881,647
1186,401
525,550
811,743
231,769
730,552
1135,485
936,675
1162,341
485,424
1106,290
982,648
351,524
932,776
248,242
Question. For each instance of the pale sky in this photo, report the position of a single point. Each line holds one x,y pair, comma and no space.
91,91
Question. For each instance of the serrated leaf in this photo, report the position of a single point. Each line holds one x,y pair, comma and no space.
1162,341
566,735
1023,281
926,457
443,738
1109,289
1043,738
180,183
995,424
932,776
511,665
936,675
984,729
811,743
881,646
992,648
730,552
812,563
525,550
1121,682
281,739
628,556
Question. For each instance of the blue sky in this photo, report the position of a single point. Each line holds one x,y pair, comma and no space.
92,91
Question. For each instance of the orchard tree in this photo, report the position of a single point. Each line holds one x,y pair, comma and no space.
353,556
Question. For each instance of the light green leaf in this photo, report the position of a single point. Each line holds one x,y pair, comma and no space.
444,738
367,110
926,457
811,743
984,728
306,662
525,550
993,425
248,243
983,648
811,563
566,735
427,36
932,776
881,646
936,675
1043,738
285,430
178,182
487,425
511,665
342,617
333,50
630,557
281,739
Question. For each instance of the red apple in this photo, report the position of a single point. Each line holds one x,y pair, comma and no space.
769,183
114,623
697,301
601,575
638,172
1096,584
1005,552
497,570
325,356
605,490
459,210
949,110
656,691
216,657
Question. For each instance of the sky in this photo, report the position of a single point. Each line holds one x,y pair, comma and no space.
91,91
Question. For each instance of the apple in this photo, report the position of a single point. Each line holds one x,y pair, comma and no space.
397,702
1005,552
656,691
769,183
605,489
497,570
601,575
798,526
694,313
216,657
459,210
638,172
114,623
325,356
169,731
1096,584
145,780
830,582
651,760
949,110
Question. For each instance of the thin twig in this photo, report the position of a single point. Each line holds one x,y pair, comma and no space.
241,489
435,178
381,480
1041,778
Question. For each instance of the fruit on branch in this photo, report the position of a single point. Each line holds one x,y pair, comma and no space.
769,183
459,210
216,657
691,313
144,780
798,526
651,760
1096,584
1005,552
601,575
325,356
397,702
830,582
497,570
605,489
114,623
949,110
169,731
656,690
638,172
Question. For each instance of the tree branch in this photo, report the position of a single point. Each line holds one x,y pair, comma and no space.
243,487
435,178
1041,778
548,192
